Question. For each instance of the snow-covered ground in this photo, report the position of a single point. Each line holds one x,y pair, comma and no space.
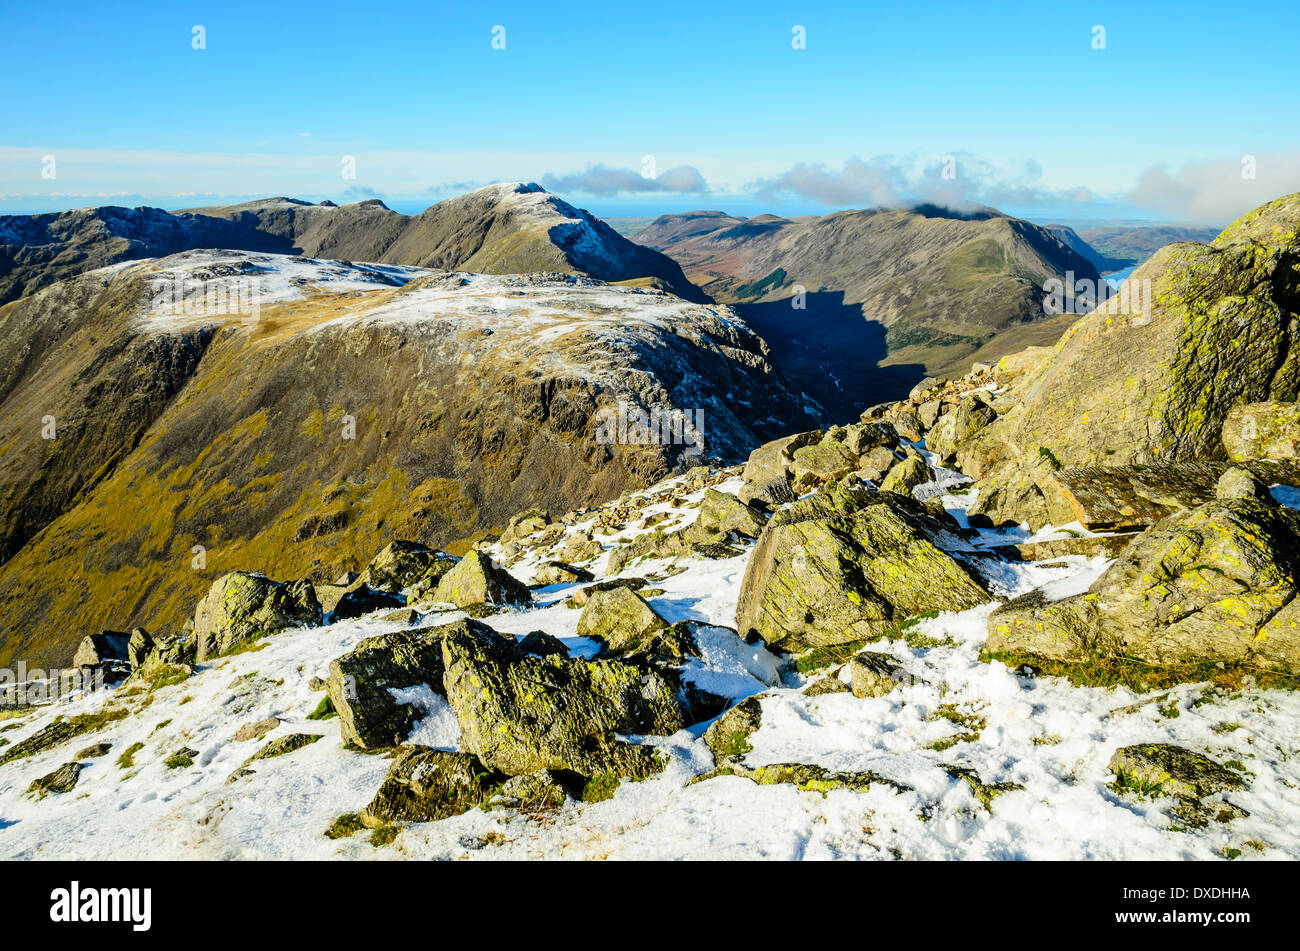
1050,738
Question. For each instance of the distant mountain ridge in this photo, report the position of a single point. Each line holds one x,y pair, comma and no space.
890,295
506,228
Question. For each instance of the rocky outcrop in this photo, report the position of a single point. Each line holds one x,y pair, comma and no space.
620,619
402,563
519,713
1269,430
1154,380
245,604
1215,583
361,683
847,564
476,580
424,785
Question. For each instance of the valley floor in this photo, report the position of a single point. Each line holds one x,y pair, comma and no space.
1049,738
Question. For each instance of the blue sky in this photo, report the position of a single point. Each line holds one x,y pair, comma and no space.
1016,104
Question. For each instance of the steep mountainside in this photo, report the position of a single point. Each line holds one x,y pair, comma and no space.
501,229
891,295
358,402
37,250
1133,245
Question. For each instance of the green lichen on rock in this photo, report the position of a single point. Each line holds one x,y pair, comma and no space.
520,713
1217,583
476,580
243,605
848,564
425,785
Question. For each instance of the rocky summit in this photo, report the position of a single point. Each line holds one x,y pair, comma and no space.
1044,608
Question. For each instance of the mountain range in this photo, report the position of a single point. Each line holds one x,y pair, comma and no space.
858,303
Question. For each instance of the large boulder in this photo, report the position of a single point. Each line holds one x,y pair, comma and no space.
775,459
822,462
1268,430
1153,379
106,647
246,604
476,580
721,512
620,619
907,475
847,564
424,785
361,682
400,564
363,600
957,427
519,713
1215,583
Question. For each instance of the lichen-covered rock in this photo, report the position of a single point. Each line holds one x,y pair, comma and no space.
721,512
519,713
476,580
620,619
846,564
94,751
138,648
1267,430
907,475
283,745
1238,483
579,548
425,785
400,564
580,597
728,736
361,682
559,572
861,438
822,462
873,674
767,495
875,464
775,459
1146,381
1215,583
244,604
544,789
1173,770
956,428
62,780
